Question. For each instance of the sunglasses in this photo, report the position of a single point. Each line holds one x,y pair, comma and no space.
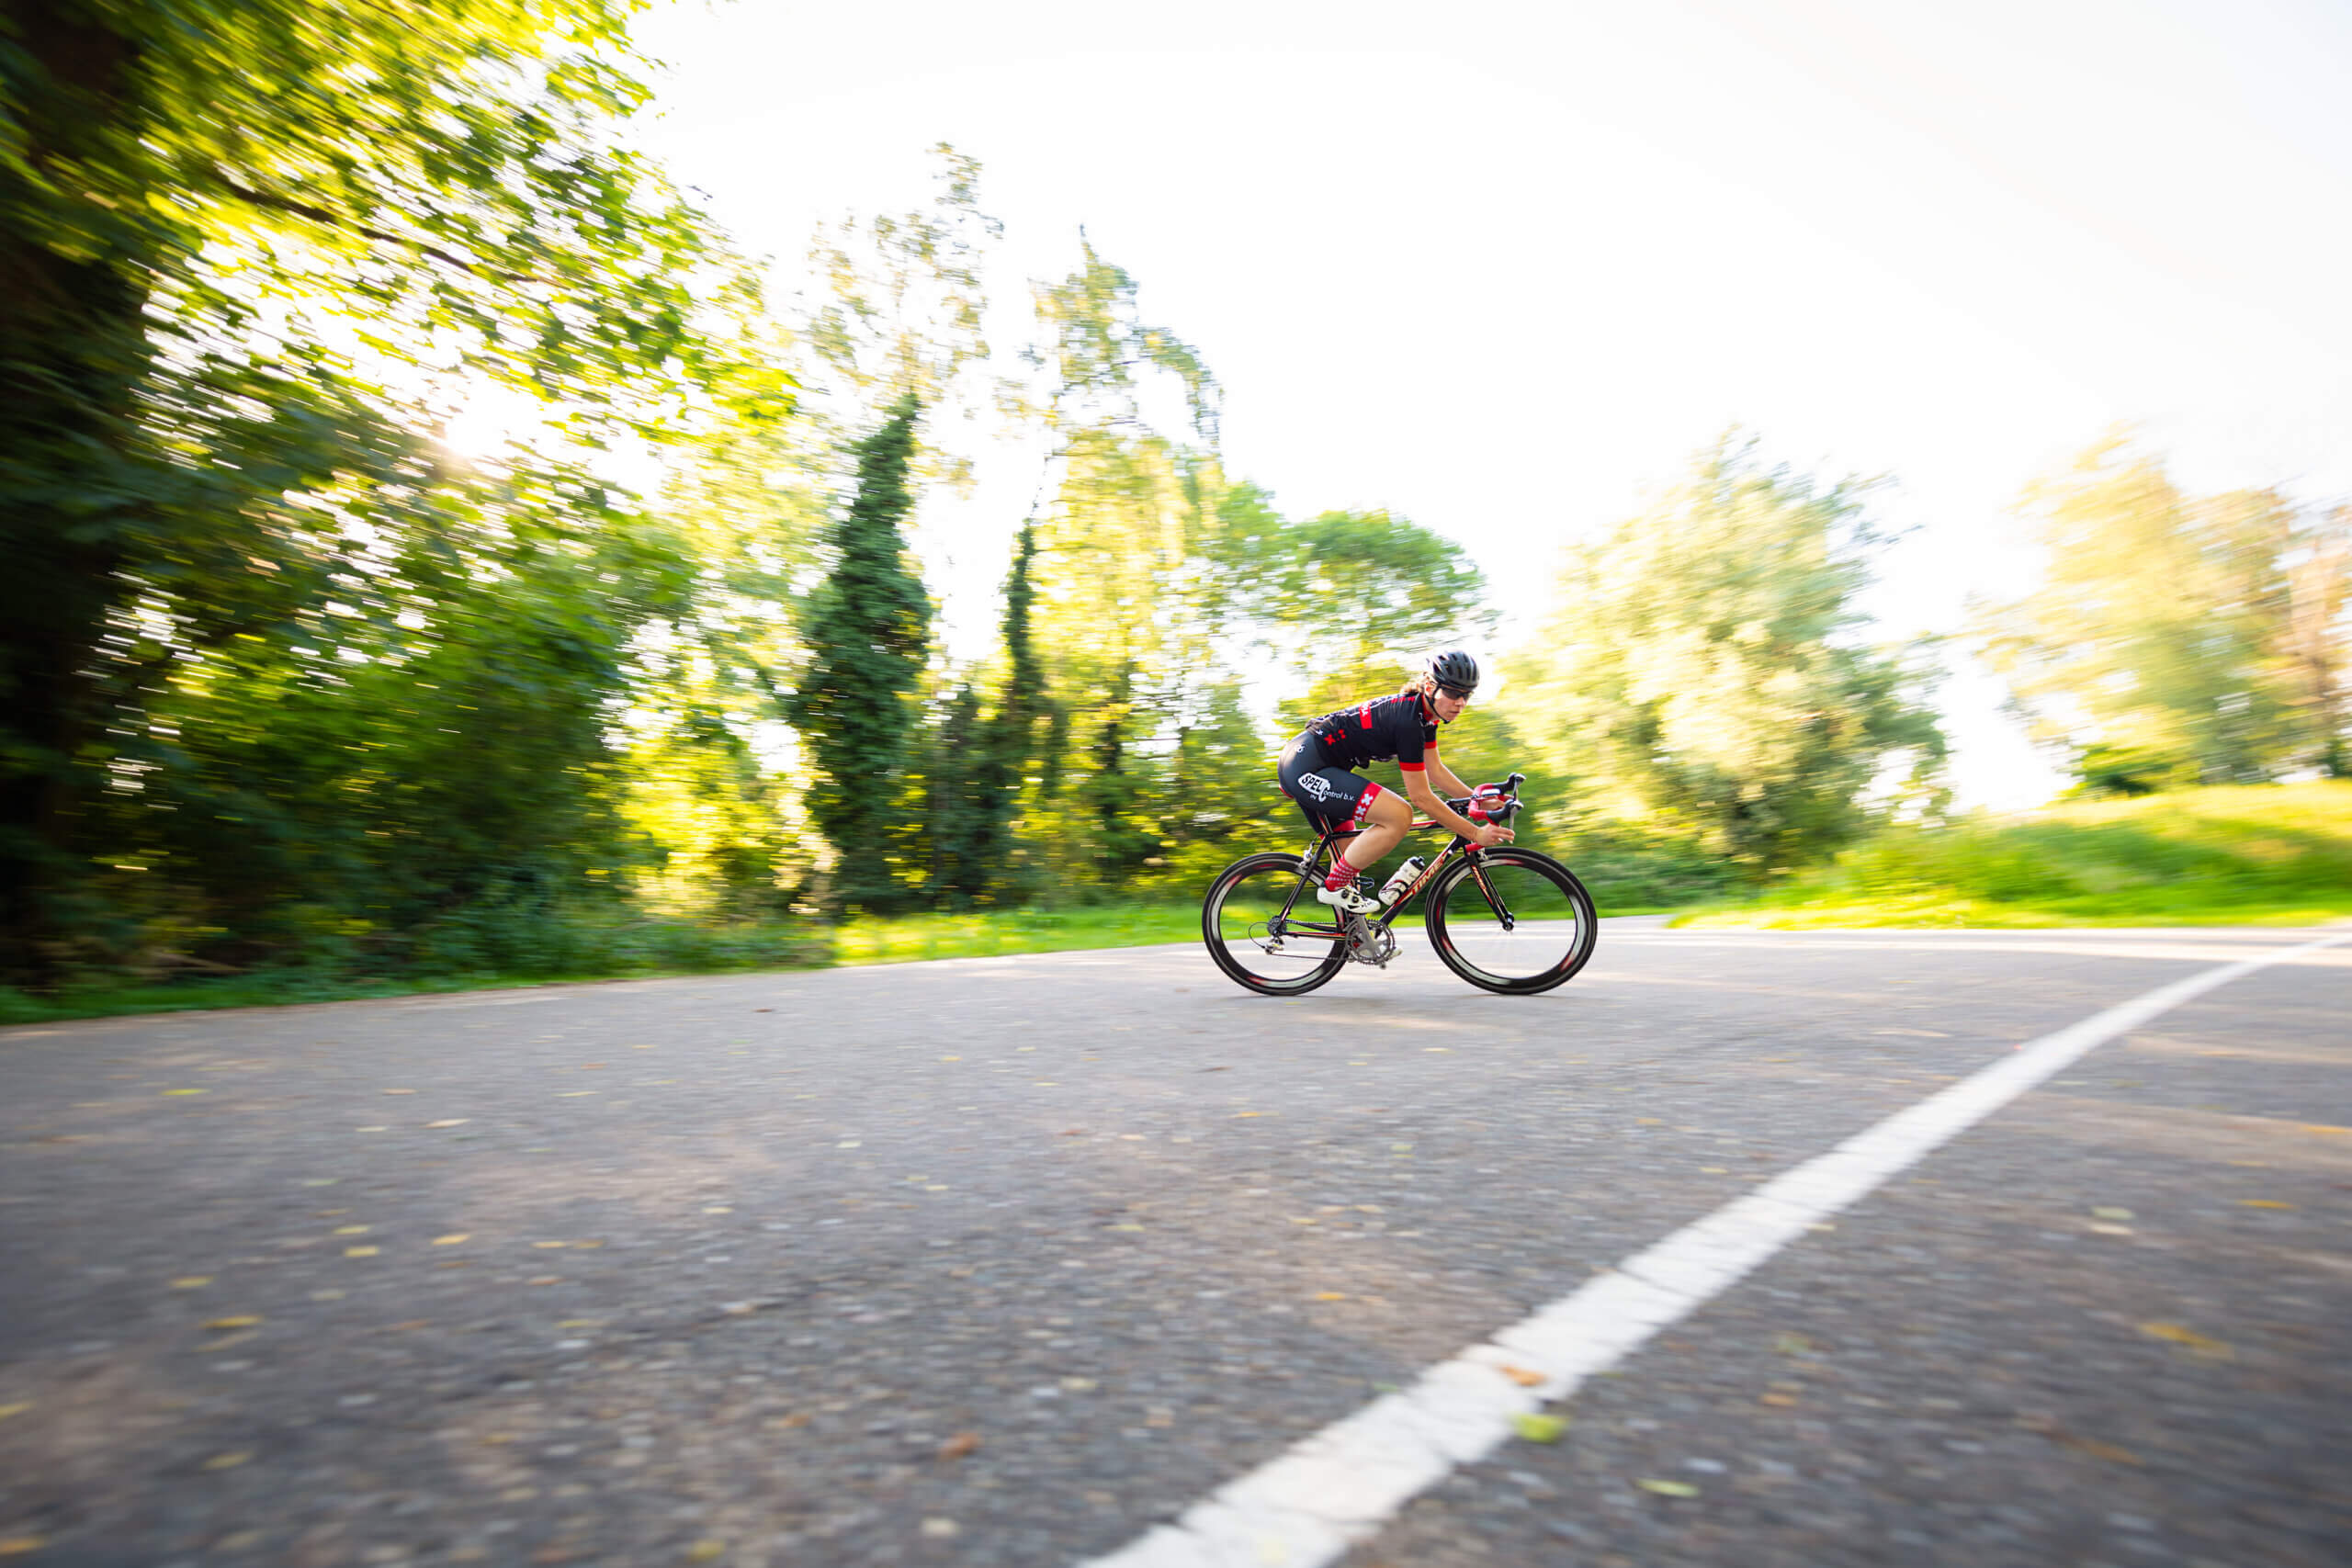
1458,694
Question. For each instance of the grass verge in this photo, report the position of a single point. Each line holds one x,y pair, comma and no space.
909,938
2254,854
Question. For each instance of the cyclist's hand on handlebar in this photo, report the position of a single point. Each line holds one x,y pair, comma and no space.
1490,835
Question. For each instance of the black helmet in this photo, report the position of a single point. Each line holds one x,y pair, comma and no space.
1456,672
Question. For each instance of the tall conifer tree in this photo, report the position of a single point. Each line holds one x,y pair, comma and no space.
867,631
1008,743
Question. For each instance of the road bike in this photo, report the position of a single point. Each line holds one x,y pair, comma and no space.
1507,919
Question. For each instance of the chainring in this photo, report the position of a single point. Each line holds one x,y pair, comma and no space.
1368,943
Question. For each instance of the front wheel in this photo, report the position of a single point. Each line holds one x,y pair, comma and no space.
1246,921
1511,920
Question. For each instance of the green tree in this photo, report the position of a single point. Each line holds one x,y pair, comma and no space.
1700,665
223,228
964,805
2174,640
1123,607
1366,596
995,752
902,312
867,632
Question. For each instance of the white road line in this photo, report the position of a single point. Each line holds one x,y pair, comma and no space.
1337,1487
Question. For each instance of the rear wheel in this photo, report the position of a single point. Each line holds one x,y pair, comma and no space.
1511,920
1242,921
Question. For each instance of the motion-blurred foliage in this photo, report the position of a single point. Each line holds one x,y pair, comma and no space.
277,676
1703,671
2179,639
2280,852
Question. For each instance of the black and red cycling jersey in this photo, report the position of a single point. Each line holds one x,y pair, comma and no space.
1401,726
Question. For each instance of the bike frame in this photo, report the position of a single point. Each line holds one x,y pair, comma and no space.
1324,846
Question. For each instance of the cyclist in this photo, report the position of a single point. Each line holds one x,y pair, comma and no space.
1318,774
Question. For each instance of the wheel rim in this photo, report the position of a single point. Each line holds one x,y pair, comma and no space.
1548,928
1240,922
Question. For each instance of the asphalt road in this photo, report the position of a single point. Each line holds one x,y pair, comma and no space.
1008,1262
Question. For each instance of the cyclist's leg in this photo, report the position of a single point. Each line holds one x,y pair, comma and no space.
1380,817
1386,815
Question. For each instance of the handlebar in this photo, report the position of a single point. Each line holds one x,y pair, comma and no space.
1511,807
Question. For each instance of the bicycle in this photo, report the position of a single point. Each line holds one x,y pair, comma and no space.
1510,920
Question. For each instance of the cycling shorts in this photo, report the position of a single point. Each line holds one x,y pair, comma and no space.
1333,799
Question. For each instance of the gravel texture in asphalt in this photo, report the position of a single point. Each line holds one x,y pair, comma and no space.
1005,1261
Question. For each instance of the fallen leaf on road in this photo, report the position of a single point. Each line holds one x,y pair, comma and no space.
361,1251
351,1230
400,1091
959,1445
16,1409
229,1323
1331,1295
172,1091
546,1280
17,1545
228,1462
452,1121
2111,1214
1521,1375
705,1551
452,1240
2096,1449
1792,1344
2264,1204
1781,1399
547,1244
2188,1338
191,1282
1667,1488
1540,1428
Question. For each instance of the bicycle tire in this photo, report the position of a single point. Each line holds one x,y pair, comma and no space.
1220,943
1578,954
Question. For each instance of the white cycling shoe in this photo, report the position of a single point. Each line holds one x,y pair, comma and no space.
1351,898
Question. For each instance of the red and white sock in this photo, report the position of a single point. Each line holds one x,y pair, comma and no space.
1342,875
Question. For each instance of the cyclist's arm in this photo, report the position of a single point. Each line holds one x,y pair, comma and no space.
1441,776
1426,800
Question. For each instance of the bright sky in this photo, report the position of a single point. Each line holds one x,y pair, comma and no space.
1500,268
